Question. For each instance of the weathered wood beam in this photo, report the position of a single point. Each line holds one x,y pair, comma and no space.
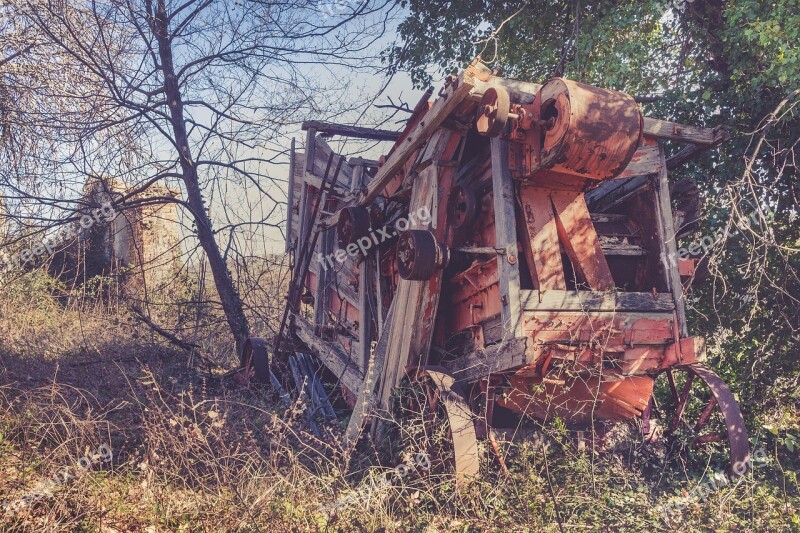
358,132
493,359
332,356
594,301
663,129
693,150
361,162
506,237
613,192
365,400
669,247
290,199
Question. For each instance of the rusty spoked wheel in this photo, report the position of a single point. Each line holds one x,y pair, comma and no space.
702,419
436,421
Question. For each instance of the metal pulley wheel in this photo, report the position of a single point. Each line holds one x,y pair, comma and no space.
492,114
353,224
418,255
462,206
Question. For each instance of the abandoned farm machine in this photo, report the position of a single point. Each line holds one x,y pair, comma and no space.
513,255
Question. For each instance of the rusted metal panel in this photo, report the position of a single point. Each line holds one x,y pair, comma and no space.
542,249
577,234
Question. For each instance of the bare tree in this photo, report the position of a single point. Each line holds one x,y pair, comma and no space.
189,93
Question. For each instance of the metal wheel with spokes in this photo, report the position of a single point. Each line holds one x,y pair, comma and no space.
700,417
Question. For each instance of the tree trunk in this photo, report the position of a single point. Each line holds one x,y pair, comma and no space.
231,303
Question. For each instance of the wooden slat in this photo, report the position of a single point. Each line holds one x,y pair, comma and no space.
322,303
493,359
613,192
693,150
506,237
418,299
305,211
365,400
669,246
577,234
331,355
644,162
432,120
662,129
357,132
366,303
290,199
596,301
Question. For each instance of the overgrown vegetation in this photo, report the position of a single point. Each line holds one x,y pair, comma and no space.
198,448
194,451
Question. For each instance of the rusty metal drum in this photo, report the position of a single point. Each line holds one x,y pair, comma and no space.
590,132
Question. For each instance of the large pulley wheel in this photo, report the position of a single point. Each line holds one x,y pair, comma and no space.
255,358
492,113
462,206
417,255
353,224
701,416
436,421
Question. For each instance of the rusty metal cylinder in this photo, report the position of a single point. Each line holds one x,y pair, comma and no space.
590,132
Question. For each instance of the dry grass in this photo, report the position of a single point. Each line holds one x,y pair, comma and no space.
196,453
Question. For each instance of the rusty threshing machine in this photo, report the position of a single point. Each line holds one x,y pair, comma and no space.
515,254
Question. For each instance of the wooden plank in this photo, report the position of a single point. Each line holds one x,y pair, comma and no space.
613,192
506,237
543,250
357,132
693,150
596,301
331,355
290,199
432,120
520,92
663,129
645,161
305,211
669,245
577,234
322,302
366,303
415,298
493,359
365,401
